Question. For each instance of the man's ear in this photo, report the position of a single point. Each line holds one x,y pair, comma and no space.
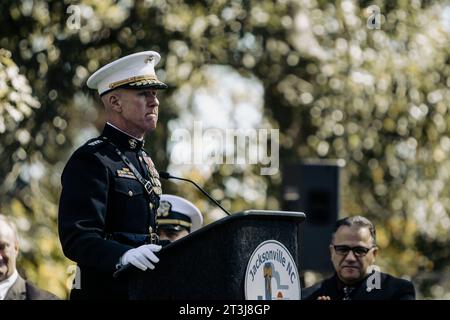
16,246
114,102
375,252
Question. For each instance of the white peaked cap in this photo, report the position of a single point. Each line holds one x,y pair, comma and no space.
172,207
134,71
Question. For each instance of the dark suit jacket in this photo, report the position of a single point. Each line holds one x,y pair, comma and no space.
25,290
391,288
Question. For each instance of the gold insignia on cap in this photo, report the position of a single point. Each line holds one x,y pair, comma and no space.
131,80
164,209
133,143
143,83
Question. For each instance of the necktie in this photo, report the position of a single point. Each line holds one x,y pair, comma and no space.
347,292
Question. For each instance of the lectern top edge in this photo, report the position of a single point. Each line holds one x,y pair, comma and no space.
293,214
243,215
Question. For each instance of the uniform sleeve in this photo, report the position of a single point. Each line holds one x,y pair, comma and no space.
82,213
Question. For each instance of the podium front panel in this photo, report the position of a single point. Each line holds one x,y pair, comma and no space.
211,263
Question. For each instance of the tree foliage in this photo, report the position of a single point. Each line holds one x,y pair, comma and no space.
376,98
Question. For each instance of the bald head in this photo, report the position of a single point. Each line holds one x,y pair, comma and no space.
7,223
9,247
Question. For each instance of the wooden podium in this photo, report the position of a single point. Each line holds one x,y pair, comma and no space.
211,263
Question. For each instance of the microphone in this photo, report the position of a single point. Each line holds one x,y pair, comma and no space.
167,176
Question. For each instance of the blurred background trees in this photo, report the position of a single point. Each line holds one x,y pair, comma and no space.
335,79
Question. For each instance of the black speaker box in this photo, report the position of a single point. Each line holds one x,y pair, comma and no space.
313,188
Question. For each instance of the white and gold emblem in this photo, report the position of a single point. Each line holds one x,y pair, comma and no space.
132,143
164,209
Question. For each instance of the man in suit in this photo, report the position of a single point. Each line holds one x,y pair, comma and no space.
353,250
177,217
12,285
110,187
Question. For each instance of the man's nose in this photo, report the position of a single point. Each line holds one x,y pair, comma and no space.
153,101
350,256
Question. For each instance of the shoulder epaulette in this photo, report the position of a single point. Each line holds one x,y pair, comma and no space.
96,142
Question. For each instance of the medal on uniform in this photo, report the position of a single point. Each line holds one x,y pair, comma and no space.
154,175
157,190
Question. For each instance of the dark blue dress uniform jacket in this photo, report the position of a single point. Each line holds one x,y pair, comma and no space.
100,197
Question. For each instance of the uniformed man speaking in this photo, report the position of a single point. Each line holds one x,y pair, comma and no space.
110,187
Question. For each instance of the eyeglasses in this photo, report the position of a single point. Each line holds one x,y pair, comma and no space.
358,251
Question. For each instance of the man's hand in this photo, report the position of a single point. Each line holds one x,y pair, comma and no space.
142,257
324,298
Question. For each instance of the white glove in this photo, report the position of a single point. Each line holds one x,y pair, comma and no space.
142,257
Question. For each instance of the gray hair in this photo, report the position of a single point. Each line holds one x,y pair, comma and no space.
357,221
10,224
